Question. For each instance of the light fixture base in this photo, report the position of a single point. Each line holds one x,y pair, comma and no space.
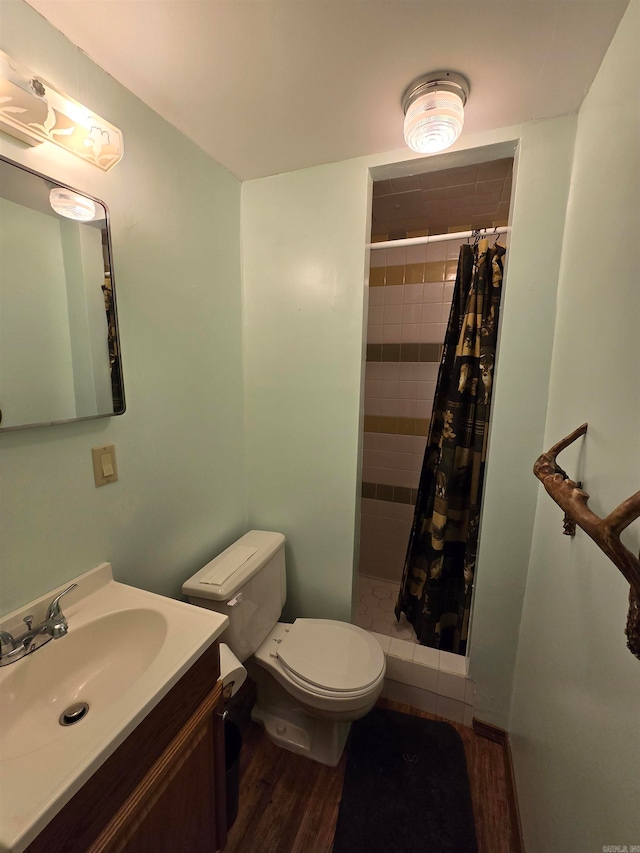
447,80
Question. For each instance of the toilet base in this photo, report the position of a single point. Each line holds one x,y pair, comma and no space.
289,725
322,741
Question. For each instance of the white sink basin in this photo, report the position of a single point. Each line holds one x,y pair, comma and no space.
124,650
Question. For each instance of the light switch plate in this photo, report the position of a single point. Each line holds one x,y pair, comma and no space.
105,469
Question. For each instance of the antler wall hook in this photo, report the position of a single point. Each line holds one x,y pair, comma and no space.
605,532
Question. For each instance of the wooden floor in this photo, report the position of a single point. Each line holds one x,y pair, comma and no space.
289,804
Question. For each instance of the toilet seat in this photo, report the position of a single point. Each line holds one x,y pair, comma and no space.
329,658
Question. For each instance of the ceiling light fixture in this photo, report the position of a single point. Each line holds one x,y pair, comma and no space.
72,205
433,108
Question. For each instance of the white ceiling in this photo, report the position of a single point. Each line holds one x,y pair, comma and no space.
268,86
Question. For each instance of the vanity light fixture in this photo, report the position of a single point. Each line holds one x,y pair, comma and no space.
433,107
34,111
72,205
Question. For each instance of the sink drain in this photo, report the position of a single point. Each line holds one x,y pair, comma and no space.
74,714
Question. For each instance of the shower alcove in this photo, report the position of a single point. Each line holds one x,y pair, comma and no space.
410,292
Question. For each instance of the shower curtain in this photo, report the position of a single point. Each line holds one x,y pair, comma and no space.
437,580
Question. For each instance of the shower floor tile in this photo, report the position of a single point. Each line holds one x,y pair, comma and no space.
376,600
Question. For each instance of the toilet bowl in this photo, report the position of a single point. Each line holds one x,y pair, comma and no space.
314,676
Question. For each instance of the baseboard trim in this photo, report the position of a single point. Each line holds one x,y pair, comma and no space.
501,737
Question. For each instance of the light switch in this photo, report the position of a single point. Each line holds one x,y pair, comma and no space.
105,469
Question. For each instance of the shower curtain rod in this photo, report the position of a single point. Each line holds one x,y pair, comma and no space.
440,238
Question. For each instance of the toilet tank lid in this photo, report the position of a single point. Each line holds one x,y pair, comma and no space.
223,576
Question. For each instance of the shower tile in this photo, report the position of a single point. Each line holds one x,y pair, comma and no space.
402,650
453,663
434,271
407,371
446,310
423,700
391,333
389,390
411,313
369,600
426,390
451,269
390,352
431,312
397,255
384,641
430,352
373,370
403,633
397,668
368,490
426,656
392,314
397,692
377,258
413,294
407,390
363,621
416,254
437,251
390,371
424,677
382,627
376,278
451,685
424,408
467,719
429,333
428,371
406,408
450,709
371,406
376,297
376,613
432,291
393,295
374,334
469,692
394,276
410,332
376,314
371,388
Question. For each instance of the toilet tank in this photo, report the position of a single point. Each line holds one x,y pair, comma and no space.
246,582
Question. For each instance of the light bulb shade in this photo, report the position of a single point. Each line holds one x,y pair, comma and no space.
72,205
434,112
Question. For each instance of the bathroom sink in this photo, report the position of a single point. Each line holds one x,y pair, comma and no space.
124,650
95,664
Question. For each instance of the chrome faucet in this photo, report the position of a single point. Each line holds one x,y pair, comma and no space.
53,627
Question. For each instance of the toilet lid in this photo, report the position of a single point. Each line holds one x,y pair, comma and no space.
331,655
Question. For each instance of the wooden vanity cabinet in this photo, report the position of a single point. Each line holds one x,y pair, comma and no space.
163,789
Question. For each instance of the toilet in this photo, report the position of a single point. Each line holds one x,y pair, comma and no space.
313,677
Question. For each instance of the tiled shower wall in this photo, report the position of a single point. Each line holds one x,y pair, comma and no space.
410,292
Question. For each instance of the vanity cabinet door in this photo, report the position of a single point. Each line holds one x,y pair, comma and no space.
163,789
176,808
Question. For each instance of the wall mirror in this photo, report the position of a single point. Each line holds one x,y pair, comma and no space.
59,346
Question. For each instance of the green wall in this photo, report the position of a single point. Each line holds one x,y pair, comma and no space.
175,217
575,721
304,278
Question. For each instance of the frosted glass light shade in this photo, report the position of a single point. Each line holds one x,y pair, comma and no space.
434,111
72,205
433,122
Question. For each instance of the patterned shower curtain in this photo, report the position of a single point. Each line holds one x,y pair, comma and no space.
439,567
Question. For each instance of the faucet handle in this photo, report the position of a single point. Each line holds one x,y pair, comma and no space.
28,620
54,608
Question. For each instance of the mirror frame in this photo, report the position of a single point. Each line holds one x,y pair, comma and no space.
112,313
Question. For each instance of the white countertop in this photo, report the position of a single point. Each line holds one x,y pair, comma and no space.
41,769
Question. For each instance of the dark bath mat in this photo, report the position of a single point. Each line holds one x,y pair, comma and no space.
406,788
